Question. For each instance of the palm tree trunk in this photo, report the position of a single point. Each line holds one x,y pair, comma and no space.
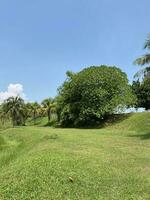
49,115
34,117
13,119
13,123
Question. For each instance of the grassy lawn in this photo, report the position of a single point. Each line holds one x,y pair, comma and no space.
111,163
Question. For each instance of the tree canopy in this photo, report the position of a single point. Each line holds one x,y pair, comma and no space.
93,94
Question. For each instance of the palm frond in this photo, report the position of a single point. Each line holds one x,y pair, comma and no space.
143,72
147,43
140,73
143,60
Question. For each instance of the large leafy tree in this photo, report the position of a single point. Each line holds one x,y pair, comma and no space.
49,106
14,106
144,60
93,94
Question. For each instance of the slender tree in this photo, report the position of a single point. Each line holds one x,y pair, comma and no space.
59,106
49,106
34,107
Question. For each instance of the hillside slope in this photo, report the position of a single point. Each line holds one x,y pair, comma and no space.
133,122
112,163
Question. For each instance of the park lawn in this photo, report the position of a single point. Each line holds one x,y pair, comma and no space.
111,163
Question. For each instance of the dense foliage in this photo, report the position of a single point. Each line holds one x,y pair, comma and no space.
93,94
142,91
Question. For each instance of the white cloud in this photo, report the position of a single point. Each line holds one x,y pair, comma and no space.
13,90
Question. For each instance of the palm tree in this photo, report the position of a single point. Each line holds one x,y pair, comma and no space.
145,59
26,112
3,116
34,108
59,106
14,106
49,106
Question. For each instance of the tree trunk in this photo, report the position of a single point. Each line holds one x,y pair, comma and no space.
34,117
49,115
13,119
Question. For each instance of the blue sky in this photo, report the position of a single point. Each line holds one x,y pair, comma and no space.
41,39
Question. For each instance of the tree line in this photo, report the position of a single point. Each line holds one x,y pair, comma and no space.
86,97
19,112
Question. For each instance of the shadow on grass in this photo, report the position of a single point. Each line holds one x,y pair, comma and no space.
36,122
109,121
50,137
145,136
50,124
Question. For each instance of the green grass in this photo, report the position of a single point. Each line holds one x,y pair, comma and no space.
42,121
112,163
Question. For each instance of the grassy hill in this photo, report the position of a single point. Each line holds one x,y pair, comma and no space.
111,163
132,122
